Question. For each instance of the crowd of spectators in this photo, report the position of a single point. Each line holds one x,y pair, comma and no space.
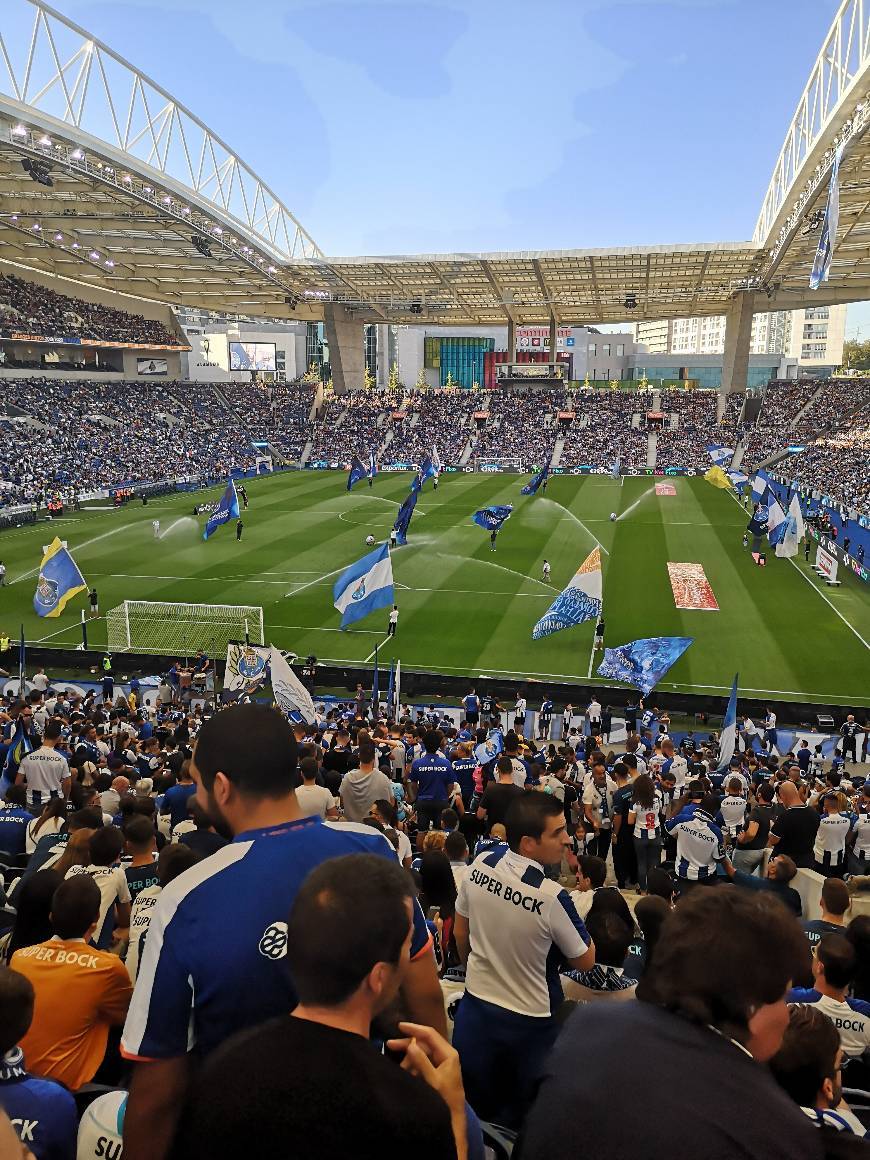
35,310
215,921
837,466
602,430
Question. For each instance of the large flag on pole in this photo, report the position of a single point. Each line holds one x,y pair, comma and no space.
615,468
398,705
436,461
643,663
22,665
416,483
365,586
403,517
536,480
728,736
357,472
59,580
290,694
719,454
427,469
227,509
794,531
739,479
492,518
777,522
828,236
19,746
373,467
759,487
580,601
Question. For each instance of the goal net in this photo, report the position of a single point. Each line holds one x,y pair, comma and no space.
498,463
181,629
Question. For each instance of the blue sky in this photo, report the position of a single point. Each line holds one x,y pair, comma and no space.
397,126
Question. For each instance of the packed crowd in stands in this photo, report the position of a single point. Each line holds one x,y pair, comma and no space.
226,916
838,466
602,431
31,309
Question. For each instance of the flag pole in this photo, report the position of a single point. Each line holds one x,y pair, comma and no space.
22,676
84,632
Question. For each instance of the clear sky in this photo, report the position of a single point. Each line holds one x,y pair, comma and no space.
398,126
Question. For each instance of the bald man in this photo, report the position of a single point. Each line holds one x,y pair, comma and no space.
794,831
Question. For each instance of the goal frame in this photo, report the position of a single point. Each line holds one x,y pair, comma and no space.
203,631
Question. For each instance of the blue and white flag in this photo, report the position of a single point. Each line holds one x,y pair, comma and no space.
580,601
373,467
428,470
290,694
365,586
615,468
536,481
719,454
795,529
492,518
416,483
643,663
738,478
759,521
357,472
19,746
759,487
777,521
490,749
226,510
403,518
59,580
728,736
828,237
436,460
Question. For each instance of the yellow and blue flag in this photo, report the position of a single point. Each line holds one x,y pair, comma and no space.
59,580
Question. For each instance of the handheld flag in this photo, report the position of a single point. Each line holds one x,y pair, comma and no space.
777,522
290,694
490,749
227,509
615,468
580,601
436,460
416,483
828,236
794,531
492,518
19,746
373,467
365,586
719,454
403,518
728,736
759,487
758,524
739,479
59,580
536,481
391,691
717,477
428,470
643,663
356,473
246,669
22,665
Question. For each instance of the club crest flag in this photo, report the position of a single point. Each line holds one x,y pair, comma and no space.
492,518
536,481
794,531
643,663
226,510
365,586
59,580
719,454
759,487
580,601
247,669
290,694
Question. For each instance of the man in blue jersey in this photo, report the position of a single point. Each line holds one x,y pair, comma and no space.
514,927
433,776
471,707
214,960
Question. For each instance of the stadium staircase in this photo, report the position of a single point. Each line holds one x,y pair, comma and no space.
652,449
558,448
224,401
306,452
795,421
341,418
386,443
468,449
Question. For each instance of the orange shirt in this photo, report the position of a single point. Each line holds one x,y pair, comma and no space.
80,993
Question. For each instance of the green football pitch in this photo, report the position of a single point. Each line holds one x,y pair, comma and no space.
464,610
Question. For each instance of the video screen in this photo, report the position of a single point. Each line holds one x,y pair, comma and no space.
152,366
252,356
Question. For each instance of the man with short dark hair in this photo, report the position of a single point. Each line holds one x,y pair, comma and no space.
214,958
104,850
310,1082
835,963
363,786
499,794
794,831
513,925
44,771
834,903
780,872
700,846
433,776
14,820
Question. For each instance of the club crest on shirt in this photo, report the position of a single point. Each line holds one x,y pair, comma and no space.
273,944
46,591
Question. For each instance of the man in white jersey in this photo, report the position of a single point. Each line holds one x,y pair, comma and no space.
513,927
155,524
44,771
835,964
545,572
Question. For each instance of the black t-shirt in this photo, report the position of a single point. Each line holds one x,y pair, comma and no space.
295,1088
340,761
496,799
683,1065
816,928
764,816
202,842
796,830
139,877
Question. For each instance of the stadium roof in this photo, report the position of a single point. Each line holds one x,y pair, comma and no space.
107,180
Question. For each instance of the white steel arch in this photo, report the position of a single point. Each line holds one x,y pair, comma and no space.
55,69
824,112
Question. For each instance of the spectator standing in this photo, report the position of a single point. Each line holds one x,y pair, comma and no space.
433,776
644,822
597,807
510,922
44,771
700,846
104,851
794,831
499,794
362,787
835,964
751,841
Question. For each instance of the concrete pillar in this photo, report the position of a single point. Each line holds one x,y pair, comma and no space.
554,345
738,337
344,333
512,341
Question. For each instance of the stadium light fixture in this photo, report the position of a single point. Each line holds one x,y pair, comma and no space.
76,246
110,263
19,131
95,257
58,237
76,155
36,227
45,141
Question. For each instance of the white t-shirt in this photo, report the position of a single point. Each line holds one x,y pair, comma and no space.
140,918
520,707
601,801
112,882
40,681
404,850
594,711
314,800
44,771
52,826
102,1127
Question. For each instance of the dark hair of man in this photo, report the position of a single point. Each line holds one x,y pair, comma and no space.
52,730
834,778
650,913
835,896
629,759
511,741
597,758
253,746
367,752
349,914
644,794
106,845
721,955
608,898
595,869
527,816
16,1008
808,1054
75,906
765,793
438,886
88,819
837,955
504,766
173,860
33,898
432,740
16,795
139,834
695,789
308,768
611,934
456,846
709,804
388,812
786,868
449,819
